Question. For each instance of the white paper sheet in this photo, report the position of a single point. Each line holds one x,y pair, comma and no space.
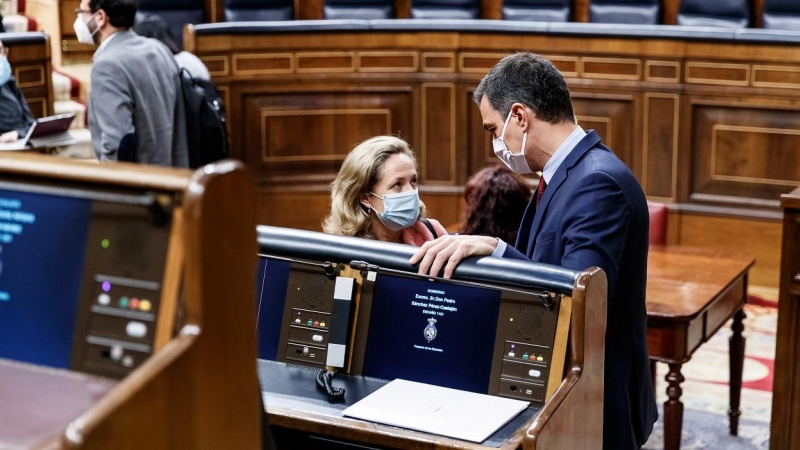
433,409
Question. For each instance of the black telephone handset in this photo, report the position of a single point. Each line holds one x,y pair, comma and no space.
341,320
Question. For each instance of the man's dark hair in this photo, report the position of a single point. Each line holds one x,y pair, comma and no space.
155,27
529,79
121,13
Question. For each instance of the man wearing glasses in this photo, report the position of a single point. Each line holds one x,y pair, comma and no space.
15,116
136,110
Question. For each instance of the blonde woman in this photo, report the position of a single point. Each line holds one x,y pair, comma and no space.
375,195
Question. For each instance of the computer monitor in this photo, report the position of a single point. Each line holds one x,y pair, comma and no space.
80,276
427,331
42,247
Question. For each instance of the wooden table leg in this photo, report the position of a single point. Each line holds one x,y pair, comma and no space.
736,347
673,408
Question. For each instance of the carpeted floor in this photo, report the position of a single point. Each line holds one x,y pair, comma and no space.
705,391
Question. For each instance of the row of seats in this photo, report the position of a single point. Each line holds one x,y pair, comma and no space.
603,30
777,14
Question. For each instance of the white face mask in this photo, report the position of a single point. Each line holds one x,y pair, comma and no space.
82,31
514,161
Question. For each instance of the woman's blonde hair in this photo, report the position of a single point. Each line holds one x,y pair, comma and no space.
359,172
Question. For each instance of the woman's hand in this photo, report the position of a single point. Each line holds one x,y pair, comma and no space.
11,136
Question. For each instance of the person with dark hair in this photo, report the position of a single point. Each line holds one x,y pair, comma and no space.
589,211
15,116
496,198
136,110
155,27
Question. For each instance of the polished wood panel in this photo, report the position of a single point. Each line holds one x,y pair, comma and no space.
744,151
786,385
438,149
31,67
305,134
660,145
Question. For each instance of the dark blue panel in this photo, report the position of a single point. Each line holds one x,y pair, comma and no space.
42,248
272,281
399,347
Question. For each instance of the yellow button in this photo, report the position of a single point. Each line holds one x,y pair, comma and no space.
145,305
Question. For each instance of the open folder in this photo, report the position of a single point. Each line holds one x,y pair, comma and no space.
437,410
50,131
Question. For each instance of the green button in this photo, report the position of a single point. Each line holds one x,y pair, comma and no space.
310,322
525,356
123,302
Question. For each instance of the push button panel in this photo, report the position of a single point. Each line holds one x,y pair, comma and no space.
310,336
532,392
524,371
306,354
140,329
312,319
516,351
112,356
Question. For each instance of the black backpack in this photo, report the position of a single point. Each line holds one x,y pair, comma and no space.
206,135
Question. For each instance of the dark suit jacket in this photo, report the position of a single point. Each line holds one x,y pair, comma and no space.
594,213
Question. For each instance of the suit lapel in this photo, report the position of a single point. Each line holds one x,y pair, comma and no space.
587,143
525,227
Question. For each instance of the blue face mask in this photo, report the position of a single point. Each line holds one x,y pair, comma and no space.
399,210
5,70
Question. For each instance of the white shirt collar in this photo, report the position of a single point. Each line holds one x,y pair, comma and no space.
561,154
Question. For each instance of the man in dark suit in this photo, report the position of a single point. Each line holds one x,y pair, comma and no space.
589,211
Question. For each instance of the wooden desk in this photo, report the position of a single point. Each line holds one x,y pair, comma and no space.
691,293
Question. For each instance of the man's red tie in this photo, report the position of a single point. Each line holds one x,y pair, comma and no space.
540,190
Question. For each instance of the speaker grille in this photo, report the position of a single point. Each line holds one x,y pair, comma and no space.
529,321
313,290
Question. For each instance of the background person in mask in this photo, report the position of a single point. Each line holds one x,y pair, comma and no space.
136,110
375,195
589,211
15,116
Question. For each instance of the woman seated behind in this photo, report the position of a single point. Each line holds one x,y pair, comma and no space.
375,195
15,116
496,199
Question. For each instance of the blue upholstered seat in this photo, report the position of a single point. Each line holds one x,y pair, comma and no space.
258,10
717,13
781,15
176,13
537,10
445,9
639,12
359,9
